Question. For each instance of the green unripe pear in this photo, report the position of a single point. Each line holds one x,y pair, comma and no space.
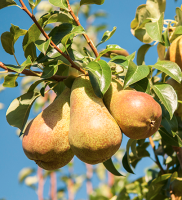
94,135
137,113
46,137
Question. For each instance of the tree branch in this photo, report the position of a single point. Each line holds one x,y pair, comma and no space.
47,37
157,160
32,73
89,41
53,189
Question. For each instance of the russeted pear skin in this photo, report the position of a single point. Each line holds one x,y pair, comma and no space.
46,137
137,113
94,135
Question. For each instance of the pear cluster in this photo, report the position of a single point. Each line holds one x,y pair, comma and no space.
82,124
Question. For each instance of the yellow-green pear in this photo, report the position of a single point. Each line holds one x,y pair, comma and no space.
94,135
46,137
137,113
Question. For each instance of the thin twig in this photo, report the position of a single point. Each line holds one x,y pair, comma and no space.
47,37
89,175
53,188
89,41
40,183
157,160
32,73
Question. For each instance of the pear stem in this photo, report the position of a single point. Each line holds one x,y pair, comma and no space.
157,160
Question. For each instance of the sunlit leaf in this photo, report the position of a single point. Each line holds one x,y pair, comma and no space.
18,111
24,173
42,45
61,3
154,29
167,96
49,71
170,68
17,32
135,73
107,35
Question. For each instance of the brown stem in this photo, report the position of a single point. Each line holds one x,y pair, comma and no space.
32,73
89,175
179,154
53,188
40,183
157,160
89,41
47,37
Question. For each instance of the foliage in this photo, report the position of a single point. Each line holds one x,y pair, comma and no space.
53,61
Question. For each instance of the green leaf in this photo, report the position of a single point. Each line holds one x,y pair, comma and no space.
142,86
69,81
6,3
155,8
154,29
25,64
169,138
60,16
76,31
98,2
10,80
108,48
17,32
31,36
178,30
43,45
7,41
111,168
120,60
107,35
135,73
18,111
33,4
156,185
100,76
142,35
61,3
125,160
141,53
170,68
106,76
49,71
167,96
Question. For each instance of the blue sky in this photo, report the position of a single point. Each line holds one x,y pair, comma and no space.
12,158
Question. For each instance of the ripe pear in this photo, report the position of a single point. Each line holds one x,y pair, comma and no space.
46,137
178,88
174,52
94,135
137,113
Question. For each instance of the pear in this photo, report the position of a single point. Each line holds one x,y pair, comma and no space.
174,52
46,137
137,113
94,135
178,88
